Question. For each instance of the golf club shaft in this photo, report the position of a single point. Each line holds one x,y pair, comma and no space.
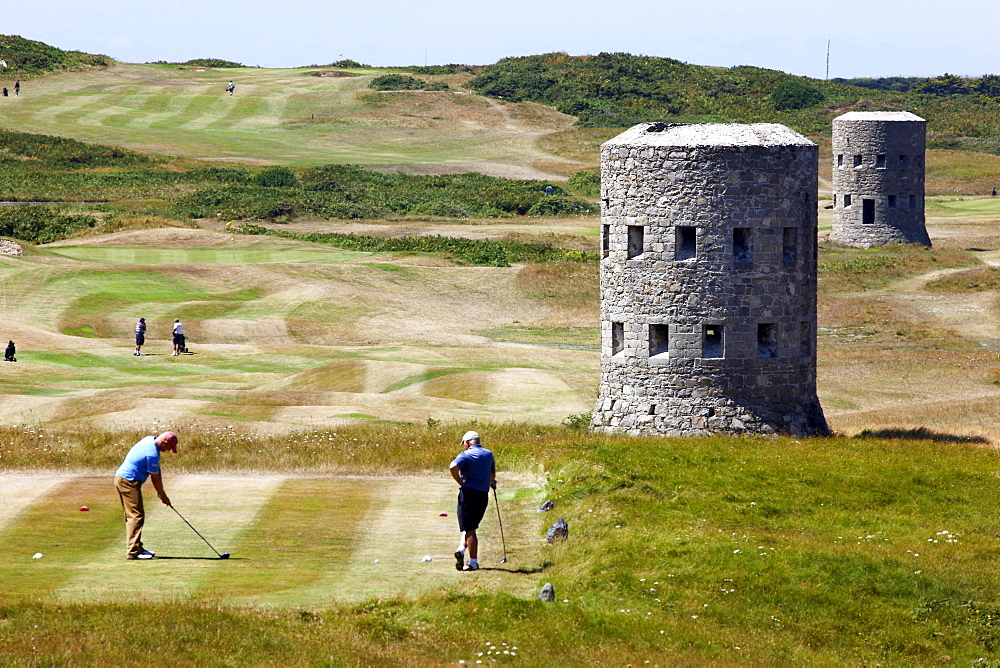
196,531
504,540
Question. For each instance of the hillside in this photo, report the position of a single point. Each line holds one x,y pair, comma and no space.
620,89
25,58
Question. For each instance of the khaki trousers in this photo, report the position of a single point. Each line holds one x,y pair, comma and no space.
130,493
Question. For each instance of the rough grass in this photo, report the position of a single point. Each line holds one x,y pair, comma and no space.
981,279
843,268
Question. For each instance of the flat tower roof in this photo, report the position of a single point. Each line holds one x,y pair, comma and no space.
709,134
878,116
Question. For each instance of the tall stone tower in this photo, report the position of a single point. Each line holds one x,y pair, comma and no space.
708,281
878,179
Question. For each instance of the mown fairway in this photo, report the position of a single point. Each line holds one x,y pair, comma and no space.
288,117
286,335
299,541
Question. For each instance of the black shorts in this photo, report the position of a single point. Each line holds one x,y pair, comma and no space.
140,339
178,339
471,508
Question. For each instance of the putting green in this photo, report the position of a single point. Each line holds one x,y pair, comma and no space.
293,540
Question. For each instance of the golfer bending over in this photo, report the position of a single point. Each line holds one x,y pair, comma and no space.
475,472
141,462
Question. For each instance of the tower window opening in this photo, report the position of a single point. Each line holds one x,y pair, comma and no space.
904,161
847,201
913,201
742,245
840,161
880,161
711,346
605,240
867,211
766,340
659,340
685,243
858,161
617,338
805,339
635,239
789,244
891,200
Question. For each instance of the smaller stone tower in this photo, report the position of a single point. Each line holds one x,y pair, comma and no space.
878,179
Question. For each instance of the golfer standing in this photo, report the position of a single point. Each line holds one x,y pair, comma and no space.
140,336
475,472
178,334
141,462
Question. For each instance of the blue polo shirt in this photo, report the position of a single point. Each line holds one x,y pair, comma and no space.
141,460
476,465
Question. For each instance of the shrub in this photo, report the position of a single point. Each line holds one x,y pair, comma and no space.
347,62
40,224
276,177
404,82
944,85
479,252
561,206
212,62
792,95
63,153
586,183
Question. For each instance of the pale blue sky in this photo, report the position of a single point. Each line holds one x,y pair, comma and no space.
869,38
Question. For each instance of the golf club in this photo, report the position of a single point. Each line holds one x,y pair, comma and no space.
497,504
224,555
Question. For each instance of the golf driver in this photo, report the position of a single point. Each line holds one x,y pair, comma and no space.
224,555
497,504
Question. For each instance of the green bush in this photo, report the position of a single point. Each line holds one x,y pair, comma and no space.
451,68
793,95
348,63
586,183
40,224
63,153
561,206
478,252
212,62
276,177
404,82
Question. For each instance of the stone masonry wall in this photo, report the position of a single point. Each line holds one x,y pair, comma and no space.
878,178
708,281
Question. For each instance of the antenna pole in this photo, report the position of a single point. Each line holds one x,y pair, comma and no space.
827,60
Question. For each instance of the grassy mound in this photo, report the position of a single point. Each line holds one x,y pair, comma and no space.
25,57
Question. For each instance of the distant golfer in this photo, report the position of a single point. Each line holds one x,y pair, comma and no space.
17,88
8,354
141,462
231,88
178,337
475,472
140,336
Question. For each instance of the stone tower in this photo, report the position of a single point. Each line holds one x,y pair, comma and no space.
878,179
708,281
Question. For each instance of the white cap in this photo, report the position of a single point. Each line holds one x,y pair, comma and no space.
469,435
